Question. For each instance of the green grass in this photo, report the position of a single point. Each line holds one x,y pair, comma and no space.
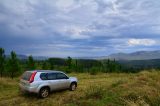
102,89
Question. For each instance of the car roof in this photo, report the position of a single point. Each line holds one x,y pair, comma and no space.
48,71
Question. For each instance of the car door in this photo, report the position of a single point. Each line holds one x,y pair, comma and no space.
54,84
63,81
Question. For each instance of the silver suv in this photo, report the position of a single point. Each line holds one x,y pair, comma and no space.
43,82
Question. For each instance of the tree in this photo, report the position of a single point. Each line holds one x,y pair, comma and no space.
31,63
13,64
45,65
76,65
69,62
2,61
51,62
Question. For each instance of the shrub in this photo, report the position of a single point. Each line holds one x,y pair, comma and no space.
93,71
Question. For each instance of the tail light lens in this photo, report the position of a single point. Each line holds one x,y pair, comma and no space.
32,77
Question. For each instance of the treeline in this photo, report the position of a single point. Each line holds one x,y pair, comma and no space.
80,65
139,65
11,66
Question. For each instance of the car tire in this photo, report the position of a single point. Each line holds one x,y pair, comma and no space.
73,86
44,92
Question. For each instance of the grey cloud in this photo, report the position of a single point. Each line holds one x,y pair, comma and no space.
96,25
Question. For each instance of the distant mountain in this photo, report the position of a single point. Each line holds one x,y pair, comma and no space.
24,57
140,55
40,57
92,58
21,57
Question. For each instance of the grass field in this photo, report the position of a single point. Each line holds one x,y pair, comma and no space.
140,89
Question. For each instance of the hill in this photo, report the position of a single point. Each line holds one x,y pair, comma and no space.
25,57
140,55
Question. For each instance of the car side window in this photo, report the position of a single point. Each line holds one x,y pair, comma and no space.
43,76
61,76
51,76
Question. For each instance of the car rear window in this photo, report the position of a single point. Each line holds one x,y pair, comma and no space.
26,76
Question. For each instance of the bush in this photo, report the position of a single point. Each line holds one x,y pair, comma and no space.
93,71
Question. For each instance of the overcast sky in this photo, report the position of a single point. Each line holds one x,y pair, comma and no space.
79,27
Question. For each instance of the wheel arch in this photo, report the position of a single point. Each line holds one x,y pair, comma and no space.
73,82
44,86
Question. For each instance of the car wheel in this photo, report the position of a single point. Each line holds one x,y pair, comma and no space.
44,92
73,86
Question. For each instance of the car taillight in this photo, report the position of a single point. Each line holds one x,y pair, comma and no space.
32,77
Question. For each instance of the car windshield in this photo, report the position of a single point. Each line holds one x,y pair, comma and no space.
26,76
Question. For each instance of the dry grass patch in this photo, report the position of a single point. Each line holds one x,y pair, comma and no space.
102,89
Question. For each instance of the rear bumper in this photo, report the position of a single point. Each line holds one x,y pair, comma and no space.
28,89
